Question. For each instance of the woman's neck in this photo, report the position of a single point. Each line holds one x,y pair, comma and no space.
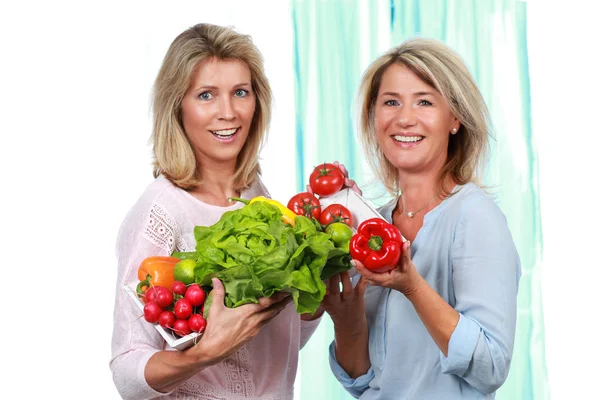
217,185
422,191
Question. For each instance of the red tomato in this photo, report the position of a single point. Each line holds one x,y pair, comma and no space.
336,213
326,179
305,204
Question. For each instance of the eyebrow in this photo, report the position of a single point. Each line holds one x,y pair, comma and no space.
201,86
416,94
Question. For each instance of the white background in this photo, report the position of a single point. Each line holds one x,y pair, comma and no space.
75,80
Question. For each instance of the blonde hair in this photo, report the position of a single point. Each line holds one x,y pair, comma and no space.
173,154
441,68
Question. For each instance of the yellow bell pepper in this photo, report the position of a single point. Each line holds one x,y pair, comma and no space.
288,215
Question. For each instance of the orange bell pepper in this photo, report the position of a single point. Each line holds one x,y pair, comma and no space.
156,271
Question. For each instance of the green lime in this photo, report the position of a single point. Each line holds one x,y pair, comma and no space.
184,271
340,234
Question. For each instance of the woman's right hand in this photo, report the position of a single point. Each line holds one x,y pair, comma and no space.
346,308
228,329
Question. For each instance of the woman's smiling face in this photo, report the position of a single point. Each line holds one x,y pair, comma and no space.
413,121
217,110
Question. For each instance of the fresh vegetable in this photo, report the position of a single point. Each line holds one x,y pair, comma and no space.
166,319
288,215
326,179
336,213
156,271
377,244
184,255
152,312
181,327
179,288
255,254
197,323
183,308
340,234
195,294
167,306
149,295
164,296
184,271
305,204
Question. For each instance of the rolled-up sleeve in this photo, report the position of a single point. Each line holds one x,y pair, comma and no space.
485,274
355,387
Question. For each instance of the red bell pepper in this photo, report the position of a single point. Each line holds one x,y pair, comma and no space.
377,244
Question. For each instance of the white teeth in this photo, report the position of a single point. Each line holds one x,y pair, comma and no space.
225,132
407,139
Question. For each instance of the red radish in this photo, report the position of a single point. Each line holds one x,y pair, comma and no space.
152,311
195,294
179,288
164,296
183,308
150,295
181,327
197,323
166,319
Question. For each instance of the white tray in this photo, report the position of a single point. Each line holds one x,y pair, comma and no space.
179,343
360,209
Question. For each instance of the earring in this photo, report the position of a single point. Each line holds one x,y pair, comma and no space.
453,130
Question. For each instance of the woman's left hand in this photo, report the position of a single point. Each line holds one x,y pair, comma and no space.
404,278
348,183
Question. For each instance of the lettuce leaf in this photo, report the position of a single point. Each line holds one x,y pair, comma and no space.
255,254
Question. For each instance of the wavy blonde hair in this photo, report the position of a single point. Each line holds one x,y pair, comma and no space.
441,68
173,154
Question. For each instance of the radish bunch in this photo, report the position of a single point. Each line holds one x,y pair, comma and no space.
179,308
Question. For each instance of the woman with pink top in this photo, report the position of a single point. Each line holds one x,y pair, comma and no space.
211,110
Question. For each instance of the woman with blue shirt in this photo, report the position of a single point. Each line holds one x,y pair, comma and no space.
440,325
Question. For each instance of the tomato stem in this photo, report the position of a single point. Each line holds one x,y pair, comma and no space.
324,171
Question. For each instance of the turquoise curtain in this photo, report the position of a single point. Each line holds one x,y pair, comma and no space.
334,42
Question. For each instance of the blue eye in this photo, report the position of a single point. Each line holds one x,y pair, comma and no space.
205,96
425,103
391,103
241,93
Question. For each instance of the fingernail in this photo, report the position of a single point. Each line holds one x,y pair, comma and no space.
353,263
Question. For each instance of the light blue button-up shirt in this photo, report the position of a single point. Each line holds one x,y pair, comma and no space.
466,253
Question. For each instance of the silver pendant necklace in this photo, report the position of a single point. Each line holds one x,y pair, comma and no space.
411,214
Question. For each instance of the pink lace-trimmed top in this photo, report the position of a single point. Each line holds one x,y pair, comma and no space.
162,221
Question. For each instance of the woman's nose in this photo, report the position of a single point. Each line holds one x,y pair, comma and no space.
406,116
226,110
